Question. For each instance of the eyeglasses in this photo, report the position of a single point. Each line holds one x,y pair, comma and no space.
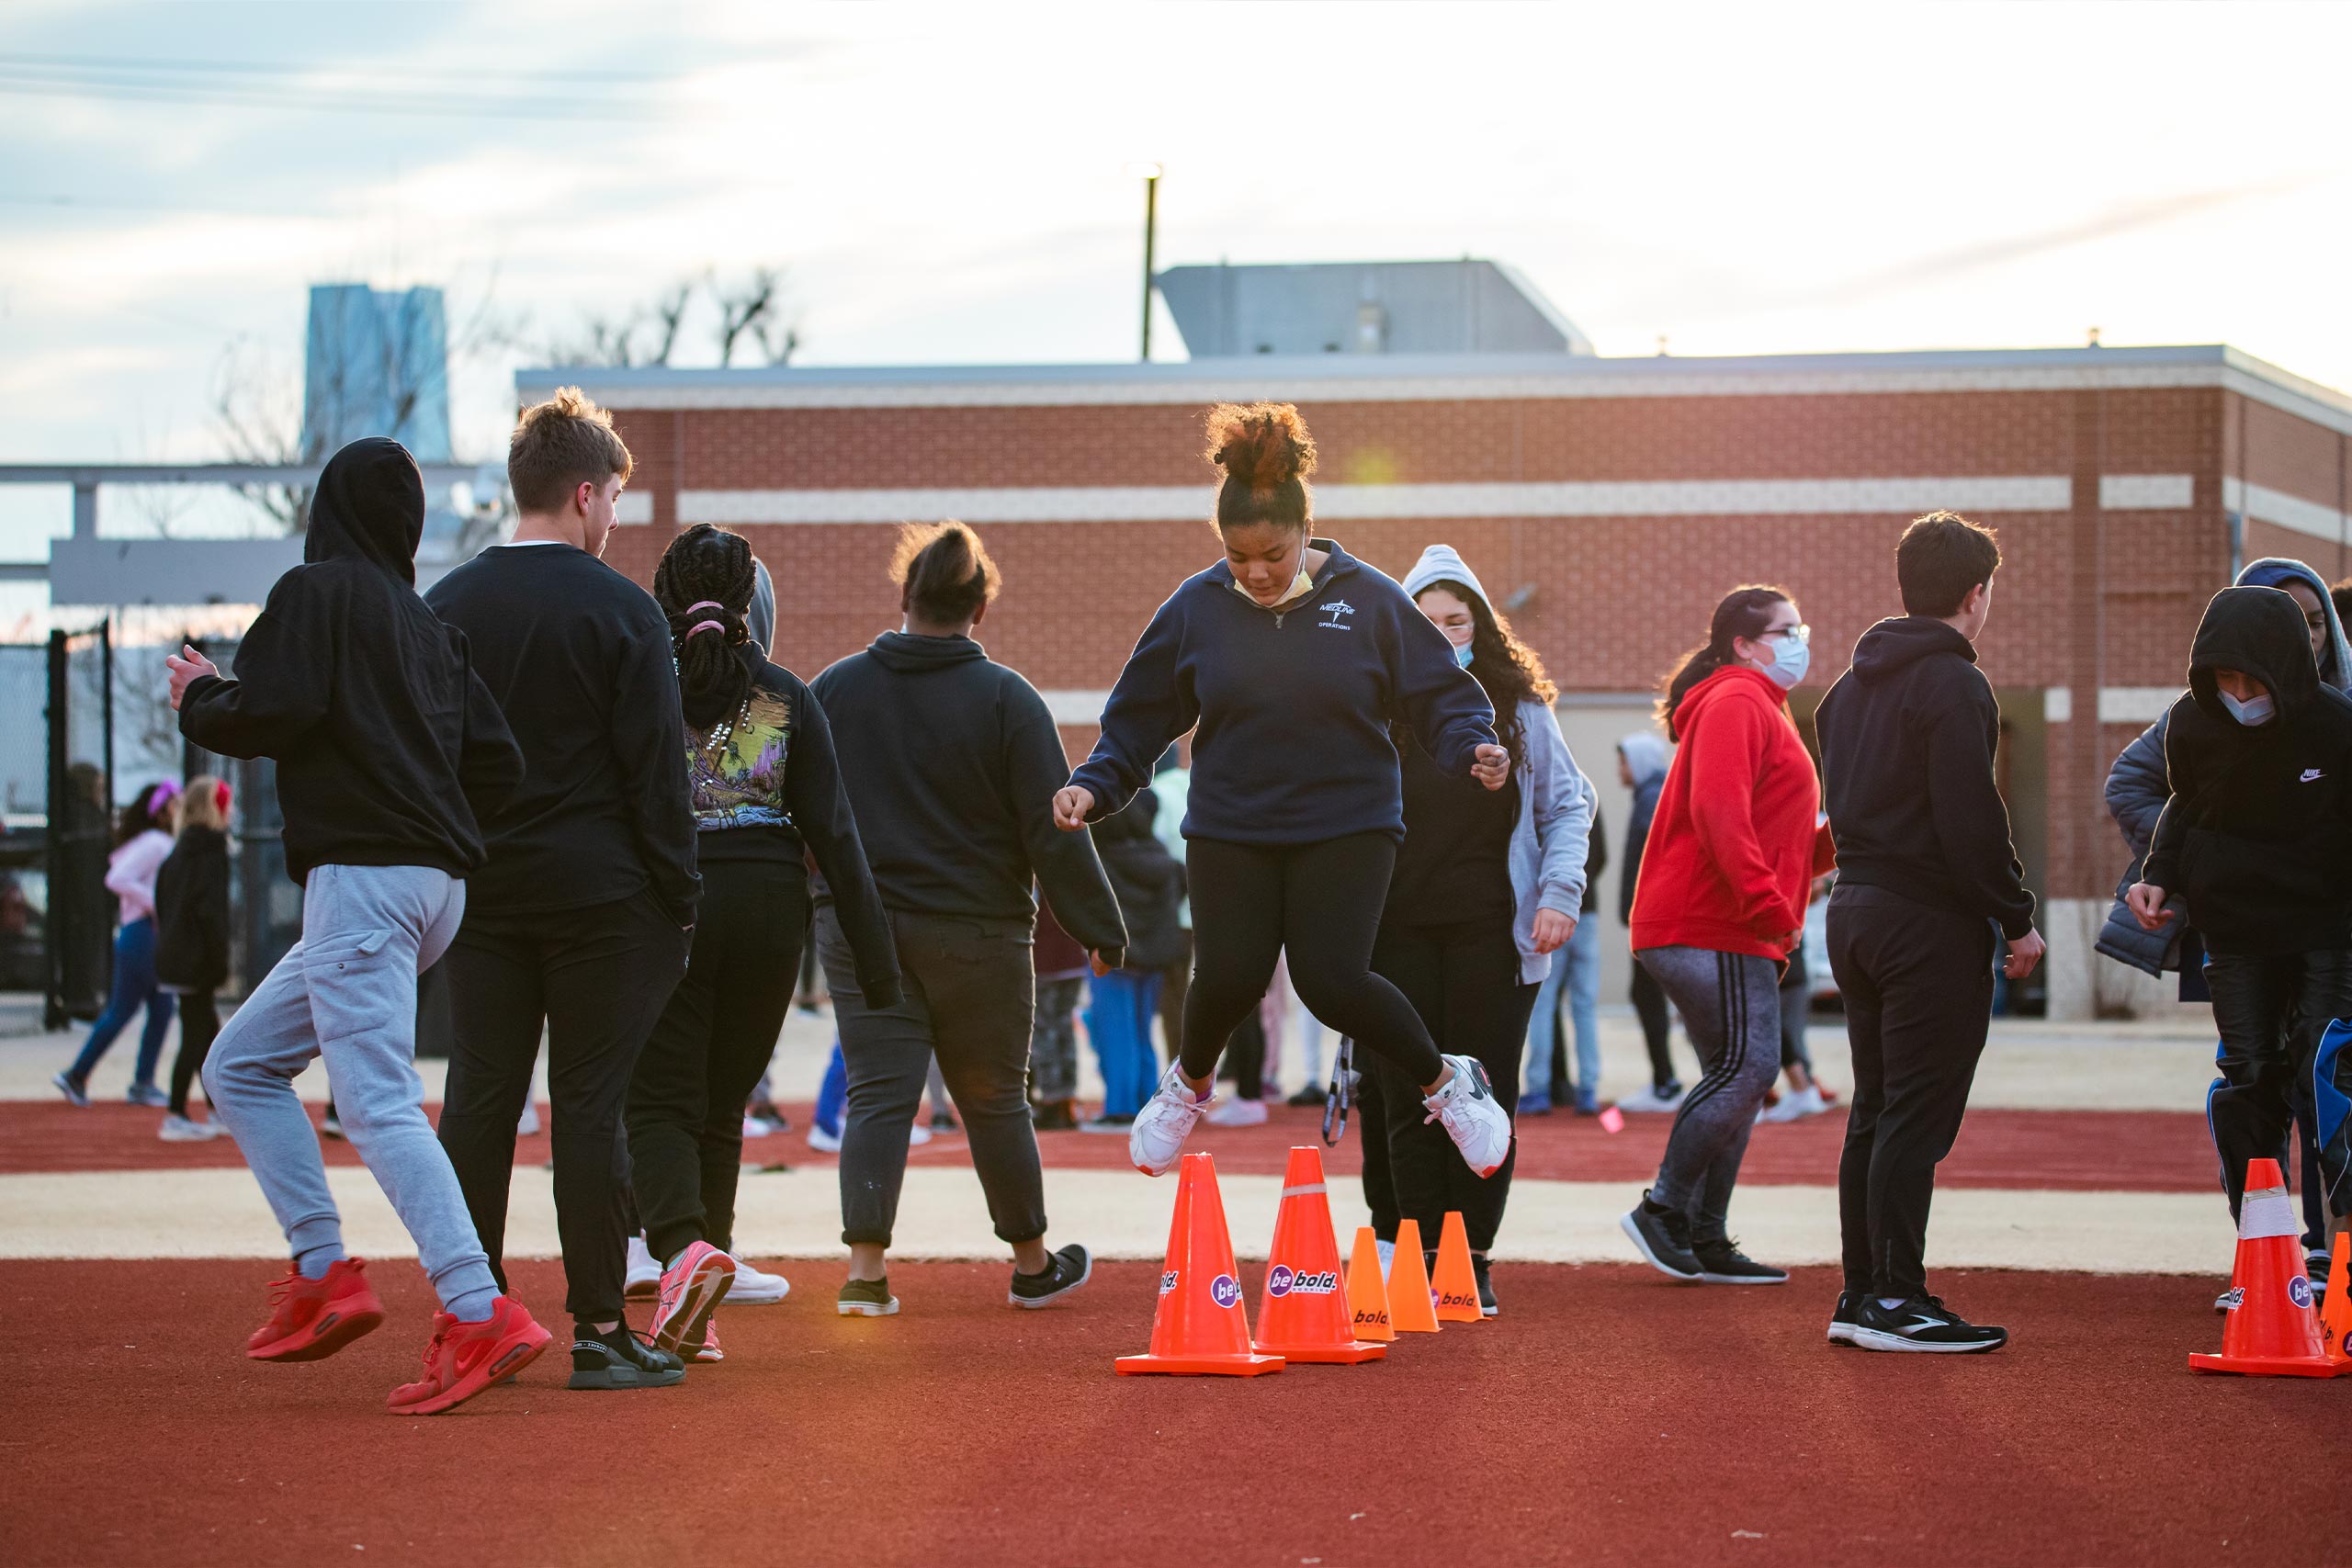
1800,632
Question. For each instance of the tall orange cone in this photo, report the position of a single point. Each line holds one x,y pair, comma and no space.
1367,1291
1303,1317
1412,1307
2335,1322
2272,1330
1455,1283
1201,1325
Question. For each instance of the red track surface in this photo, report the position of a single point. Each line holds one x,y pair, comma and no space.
1608,1417
2141,1151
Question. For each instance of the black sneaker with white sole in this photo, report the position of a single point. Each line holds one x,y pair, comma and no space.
1485,1272
621,1360
1923,1324
866,1298
1065,1271
1723,1263
1844,1316
1664,1238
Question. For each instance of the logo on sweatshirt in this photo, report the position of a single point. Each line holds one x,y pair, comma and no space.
1335,609
2310,774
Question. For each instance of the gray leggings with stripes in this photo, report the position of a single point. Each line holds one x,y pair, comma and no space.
1730,1004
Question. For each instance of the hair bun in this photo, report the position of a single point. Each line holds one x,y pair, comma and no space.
1262,445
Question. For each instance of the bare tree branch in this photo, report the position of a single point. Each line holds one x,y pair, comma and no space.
745,307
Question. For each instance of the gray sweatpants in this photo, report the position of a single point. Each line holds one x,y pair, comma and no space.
1730,1004
348,992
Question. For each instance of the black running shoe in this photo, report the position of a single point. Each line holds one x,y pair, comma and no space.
1484,1269
1065,1271
621,1360
941,1122
1310,1095
1923,1323
1723,1263
1844,1316
866,1298
1664,1237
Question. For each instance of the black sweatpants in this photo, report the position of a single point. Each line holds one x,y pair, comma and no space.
595,980
2271,1012
1322,903
1657,1026
199,1025
708,1050
1917,982
970,1002
1463,980
1797,1010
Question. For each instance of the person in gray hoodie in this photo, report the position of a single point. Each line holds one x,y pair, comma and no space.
1489,891
1641,767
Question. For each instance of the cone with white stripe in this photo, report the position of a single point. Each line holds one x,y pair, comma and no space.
2272,1329
1303,1316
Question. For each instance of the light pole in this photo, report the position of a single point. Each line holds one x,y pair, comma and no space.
1151,172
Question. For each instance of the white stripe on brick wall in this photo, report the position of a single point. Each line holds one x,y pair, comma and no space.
2146,492
1343,502
2286,511
2057,704
1076,707
634,506
2135,705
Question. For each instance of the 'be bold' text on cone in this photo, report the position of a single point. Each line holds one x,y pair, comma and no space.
1367,1291
1455,1283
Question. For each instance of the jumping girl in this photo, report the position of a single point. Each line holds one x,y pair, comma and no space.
1291,658
142,839
1732,854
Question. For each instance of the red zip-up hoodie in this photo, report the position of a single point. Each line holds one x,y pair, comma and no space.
1737,840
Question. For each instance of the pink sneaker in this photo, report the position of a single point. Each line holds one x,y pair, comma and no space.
692,1289
708,1350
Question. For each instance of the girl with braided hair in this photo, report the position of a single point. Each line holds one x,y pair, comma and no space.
765,790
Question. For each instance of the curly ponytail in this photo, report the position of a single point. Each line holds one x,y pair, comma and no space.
1745,612
704,584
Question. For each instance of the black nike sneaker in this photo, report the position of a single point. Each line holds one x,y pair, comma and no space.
1485,1272
621,1360
1664,1237
1844,1316
1924,1324
1723,1263
1065,1271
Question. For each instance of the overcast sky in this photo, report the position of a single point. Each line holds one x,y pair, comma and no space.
951,184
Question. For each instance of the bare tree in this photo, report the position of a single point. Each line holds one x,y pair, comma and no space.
754,305
260,418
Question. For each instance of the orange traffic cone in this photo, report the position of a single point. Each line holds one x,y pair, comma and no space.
1201,1325
1367,1291
1303,1317
2335,1322
2272,1331
1412,1305
1455,1283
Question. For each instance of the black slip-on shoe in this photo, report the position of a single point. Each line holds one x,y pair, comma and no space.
1065,1271
1485,1272
1723,1263
621,1360
866,1298
1662,1237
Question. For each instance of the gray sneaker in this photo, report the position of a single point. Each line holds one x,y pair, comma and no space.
76,1093
1664,1238
148,1095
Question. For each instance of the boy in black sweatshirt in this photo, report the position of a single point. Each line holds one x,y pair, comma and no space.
2257,839
1928,888
580,916
389,751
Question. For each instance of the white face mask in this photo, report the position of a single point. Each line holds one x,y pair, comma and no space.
1462,654
1791,659
2253,713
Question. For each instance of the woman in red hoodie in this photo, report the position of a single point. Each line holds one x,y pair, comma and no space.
1737,842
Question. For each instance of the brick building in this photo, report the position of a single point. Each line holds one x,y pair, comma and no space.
1612,499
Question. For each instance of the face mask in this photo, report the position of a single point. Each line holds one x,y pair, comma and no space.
1462,654
1790,663
2253,715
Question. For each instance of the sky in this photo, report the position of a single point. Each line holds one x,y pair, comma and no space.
958,183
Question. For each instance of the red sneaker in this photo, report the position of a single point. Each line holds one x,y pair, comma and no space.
311,1319
463,1359
692,1289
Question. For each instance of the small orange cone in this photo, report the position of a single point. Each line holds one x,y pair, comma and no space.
1201,1325
1412,1305
1367,1291
1456,1284
2272,1330
2335,1322
1303,1315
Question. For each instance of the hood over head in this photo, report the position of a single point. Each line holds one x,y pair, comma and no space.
1646,755
904,653
369,506
1444,563
1902,640
2277,571
2260,631
760,619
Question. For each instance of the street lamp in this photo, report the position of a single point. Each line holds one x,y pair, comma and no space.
1151,172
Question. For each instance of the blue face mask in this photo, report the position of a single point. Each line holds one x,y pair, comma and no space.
1790,661
1462,655
2253,715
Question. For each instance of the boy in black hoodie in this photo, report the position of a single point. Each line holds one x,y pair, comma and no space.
1928,888
389,751
2256,837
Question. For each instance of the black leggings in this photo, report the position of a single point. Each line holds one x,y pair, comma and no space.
200,1022
1322,903
1657,1026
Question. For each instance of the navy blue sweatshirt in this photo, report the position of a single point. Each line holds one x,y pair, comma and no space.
1292,707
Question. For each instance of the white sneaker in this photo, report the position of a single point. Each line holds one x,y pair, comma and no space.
824,1143
1237,1114
644,1274
918,1136
1164,1122
1650,1099
756,1287
1388,1250
1794,1105
758,1127
183,1130
529,1122
1466,1107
